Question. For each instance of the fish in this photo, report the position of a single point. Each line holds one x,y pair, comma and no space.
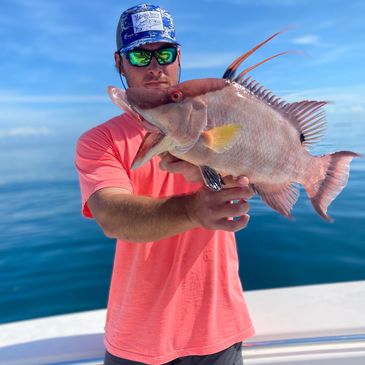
235,126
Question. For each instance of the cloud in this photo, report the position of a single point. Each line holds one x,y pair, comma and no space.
14,117
357,109
7,98
262,2
25,131
52,30
310,39
349,101
333,54
210,60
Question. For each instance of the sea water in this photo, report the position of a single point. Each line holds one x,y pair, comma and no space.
54,261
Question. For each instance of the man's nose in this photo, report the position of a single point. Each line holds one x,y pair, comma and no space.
154,68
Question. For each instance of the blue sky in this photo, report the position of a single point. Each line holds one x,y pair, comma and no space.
57,55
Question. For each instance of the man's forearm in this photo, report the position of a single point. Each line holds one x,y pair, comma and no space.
143,219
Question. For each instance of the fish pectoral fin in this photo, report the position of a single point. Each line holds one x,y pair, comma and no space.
279,197
221,138
212,178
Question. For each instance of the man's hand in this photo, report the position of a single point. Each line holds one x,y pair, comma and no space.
212,209
215,210
173,164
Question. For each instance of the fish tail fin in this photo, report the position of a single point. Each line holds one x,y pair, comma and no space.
326,180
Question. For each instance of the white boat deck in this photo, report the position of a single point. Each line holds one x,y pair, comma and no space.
307,325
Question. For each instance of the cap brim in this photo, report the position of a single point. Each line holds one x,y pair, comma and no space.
141,42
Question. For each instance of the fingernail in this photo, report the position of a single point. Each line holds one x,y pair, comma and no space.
243,180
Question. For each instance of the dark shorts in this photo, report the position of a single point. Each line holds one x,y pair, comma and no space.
230,356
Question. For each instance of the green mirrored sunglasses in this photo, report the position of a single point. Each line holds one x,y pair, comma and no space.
143,57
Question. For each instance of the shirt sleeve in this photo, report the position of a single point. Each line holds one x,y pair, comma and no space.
98,166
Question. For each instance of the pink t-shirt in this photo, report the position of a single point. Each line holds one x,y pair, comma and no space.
175,297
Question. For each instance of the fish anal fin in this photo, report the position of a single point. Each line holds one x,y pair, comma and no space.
221,138
279,197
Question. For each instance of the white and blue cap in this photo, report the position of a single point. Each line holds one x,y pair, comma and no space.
143,24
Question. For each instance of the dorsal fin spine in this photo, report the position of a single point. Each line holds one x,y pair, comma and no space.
306,116
308,128
310,132
305,113
309,112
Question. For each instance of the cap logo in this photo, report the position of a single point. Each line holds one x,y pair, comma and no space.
147,20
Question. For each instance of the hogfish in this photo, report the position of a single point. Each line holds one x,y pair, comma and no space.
235,126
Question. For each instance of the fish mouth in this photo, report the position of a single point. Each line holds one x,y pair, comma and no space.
148,122
149,127
153,144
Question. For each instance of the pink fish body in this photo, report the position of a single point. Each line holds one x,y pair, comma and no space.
237,127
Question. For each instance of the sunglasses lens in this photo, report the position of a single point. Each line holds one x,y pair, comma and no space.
139,57
166,55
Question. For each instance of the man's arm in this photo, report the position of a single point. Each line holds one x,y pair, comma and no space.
135,218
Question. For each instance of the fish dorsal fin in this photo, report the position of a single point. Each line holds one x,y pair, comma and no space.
232,68
308,117
248,69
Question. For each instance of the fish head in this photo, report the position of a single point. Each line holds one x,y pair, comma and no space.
174,117
179,112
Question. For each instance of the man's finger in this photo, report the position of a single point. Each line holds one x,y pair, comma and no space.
232,181
234,225
236,193
175,166
235,209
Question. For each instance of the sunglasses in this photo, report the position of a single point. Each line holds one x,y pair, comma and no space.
143,57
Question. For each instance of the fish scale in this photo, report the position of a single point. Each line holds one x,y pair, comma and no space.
255,154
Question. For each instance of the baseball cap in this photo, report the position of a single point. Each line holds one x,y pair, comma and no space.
143,24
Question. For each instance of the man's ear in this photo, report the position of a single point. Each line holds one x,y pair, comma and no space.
179,54
118,63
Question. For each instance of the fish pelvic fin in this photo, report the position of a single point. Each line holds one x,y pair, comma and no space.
221,138
212,178
327,179
280,197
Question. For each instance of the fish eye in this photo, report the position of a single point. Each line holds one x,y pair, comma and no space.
176,95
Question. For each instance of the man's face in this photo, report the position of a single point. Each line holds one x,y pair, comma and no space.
154,75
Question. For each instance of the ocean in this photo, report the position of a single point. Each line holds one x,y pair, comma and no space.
53,261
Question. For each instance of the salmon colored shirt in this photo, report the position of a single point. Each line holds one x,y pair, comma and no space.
175,297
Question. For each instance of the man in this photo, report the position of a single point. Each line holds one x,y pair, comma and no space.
175,294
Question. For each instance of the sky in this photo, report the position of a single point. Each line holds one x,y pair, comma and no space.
57,55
